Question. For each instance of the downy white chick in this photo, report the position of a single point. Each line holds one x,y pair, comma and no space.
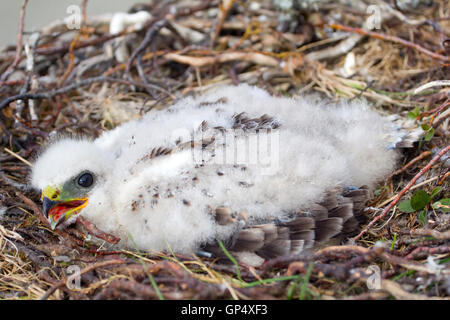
262,174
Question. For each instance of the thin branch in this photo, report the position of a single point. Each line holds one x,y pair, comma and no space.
85,270
68,88
224,8
420,251
33,206
386,37
413,161
404,190
197,62
151,32
19,43
433,233
92,229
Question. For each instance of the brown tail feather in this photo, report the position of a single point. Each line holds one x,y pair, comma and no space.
337,215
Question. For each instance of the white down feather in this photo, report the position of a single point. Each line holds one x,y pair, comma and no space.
321,146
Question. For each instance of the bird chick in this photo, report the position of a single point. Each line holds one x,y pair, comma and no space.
263,174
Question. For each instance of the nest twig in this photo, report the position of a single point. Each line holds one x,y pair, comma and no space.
70,82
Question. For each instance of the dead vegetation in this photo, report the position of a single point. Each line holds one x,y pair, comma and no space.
87,80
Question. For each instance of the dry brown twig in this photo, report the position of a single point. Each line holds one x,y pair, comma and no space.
76,85
428,251
432,233
255,57
403,191
224,7
386,37
413,161
92,229
398,292
240,53
19,43
91,267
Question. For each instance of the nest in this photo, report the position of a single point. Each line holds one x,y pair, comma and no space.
88,79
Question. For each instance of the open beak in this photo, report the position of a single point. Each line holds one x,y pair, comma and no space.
57,211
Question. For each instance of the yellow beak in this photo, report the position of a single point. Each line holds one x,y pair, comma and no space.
57,210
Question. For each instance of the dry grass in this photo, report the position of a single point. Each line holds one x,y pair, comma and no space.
241,43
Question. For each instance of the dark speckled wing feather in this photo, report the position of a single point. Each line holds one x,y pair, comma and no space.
337,217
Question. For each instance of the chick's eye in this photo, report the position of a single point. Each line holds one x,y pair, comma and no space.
85,180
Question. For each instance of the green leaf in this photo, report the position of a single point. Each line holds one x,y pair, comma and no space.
304,288
413,114
422,216
419,200
429,134
270,280
435,192
445,260
404,274
425,127
443,204
393,241
405,206
232,259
